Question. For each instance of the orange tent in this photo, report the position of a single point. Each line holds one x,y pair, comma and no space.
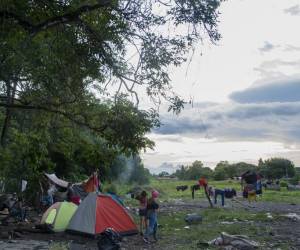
98,212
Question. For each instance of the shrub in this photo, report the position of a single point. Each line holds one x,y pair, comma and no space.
283,184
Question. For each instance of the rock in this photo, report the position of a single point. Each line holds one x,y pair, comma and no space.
193,218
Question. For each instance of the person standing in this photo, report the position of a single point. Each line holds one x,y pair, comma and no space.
142,198
152,208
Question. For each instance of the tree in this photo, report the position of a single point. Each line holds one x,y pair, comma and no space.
138,174
276,168
70,72
224,170
193,172
61,57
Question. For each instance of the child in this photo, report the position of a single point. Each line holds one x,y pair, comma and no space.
142,198
152,208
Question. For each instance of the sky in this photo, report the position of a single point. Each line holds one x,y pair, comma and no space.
245,92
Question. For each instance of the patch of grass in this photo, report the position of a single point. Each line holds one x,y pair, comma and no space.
59,246
239,222
168,191
283,196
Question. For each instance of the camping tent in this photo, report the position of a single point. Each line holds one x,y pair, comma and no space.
98,212
58,215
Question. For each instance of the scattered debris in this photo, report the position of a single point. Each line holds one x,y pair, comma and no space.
269,215
293,216
227,222
237,241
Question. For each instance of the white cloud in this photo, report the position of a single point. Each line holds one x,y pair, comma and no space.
294,10
266,122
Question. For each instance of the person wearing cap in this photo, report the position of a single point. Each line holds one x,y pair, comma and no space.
152,208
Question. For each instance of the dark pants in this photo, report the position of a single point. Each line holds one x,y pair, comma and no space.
219,192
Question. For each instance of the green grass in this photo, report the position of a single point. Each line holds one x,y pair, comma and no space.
168,192
174,235
173,227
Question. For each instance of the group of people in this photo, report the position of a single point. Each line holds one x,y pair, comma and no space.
148,208
48,197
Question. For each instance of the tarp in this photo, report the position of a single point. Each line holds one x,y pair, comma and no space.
98,212
59,215
57,181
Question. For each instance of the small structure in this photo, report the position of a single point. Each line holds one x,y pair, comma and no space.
58,216
99,212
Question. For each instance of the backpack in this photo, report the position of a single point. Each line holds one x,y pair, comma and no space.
109,240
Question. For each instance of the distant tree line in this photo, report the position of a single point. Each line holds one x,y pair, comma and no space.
273,168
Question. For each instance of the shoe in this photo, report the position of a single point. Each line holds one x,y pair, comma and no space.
146,240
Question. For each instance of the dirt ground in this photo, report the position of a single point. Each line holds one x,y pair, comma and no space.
19,237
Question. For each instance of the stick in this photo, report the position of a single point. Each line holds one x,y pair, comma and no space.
207,196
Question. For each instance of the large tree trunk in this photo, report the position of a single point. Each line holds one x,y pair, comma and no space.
10,93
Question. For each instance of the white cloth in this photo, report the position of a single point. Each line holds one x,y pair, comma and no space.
51,191
24,185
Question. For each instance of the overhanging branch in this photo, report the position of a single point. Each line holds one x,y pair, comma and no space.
56,20
54,111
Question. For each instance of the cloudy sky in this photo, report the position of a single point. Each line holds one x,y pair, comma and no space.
245,91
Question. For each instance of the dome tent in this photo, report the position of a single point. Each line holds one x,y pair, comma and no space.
98,212
58,215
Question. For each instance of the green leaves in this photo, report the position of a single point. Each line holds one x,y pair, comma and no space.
61,62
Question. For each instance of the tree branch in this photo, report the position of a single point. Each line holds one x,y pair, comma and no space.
66,115
56,20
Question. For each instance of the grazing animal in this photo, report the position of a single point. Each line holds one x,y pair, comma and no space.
182,188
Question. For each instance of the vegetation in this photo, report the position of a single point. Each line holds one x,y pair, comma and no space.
69,76
274,168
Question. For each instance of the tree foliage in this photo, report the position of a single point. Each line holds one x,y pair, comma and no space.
193,172
70,72
56,54
273,168
276,168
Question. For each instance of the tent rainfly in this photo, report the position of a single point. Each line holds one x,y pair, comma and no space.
98,212
59,215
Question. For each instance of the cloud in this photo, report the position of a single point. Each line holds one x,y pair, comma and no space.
273,69
170,126
274,121
292,48
165,166
267,47
280,91
294,10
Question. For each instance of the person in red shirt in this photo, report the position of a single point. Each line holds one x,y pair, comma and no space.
203,183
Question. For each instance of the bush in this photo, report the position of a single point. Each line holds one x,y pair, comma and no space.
283,184
295,180
111,188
